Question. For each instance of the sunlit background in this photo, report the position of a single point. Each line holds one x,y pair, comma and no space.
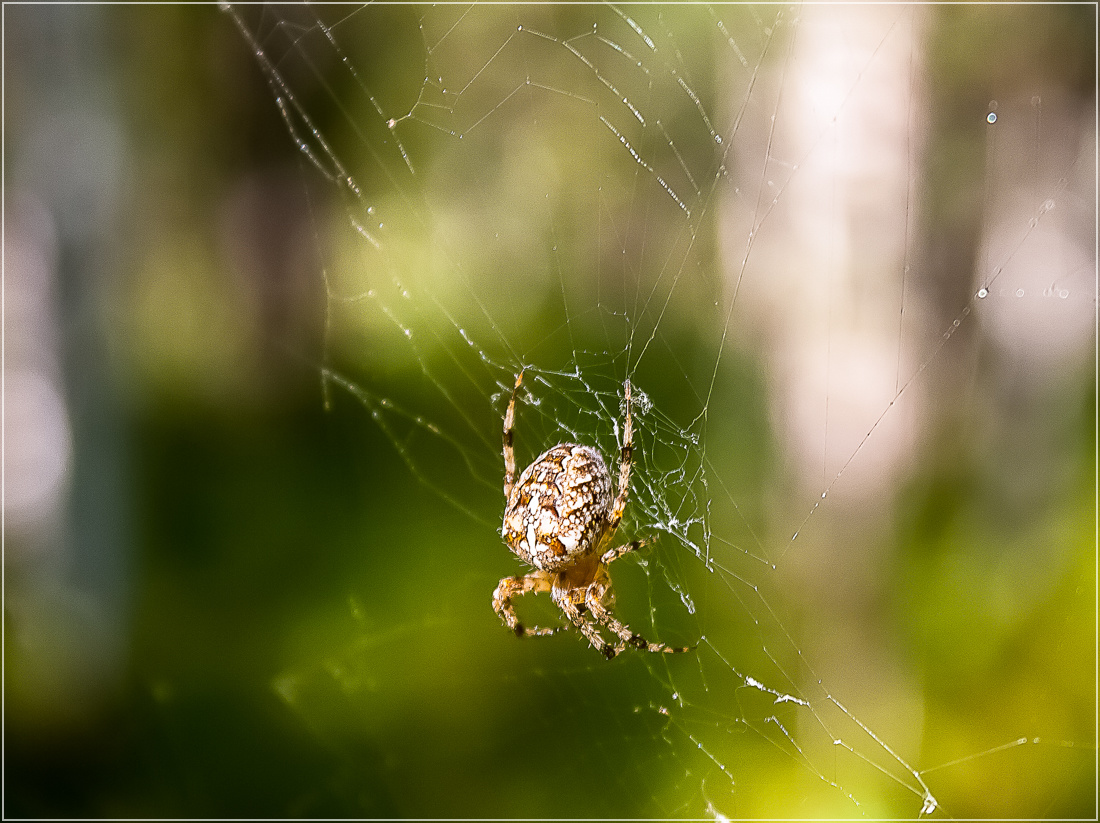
235,588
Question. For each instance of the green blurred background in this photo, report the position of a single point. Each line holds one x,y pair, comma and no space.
231,592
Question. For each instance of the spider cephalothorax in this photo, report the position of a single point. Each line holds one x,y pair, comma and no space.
558,517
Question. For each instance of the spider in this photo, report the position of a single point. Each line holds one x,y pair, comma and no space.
558,518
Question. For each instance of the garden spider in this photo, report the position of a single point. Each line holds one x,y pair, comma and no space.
558,517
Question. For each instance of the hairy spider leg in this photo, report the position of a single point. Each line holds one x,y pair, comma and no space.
509,452
587,627
611,555
624,470
593,600
509,587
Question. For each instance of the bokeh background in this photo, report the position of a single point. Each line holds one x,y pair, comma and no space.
229,590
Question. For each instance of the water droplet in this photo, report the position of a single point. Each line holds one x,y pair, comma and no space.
1047,206
1019,292
824,493
391,123
718,139
1063,293
983,292
991,118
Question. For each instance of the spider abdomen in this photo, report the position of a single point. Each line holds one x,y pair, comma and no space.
559,507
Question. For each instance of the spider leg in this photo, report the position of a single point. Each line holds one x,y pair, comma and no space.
624,468
574,612
611,555
509,453
593,600
510,587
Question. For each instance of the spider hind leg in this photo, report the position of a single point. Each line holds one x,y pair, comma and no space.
509,437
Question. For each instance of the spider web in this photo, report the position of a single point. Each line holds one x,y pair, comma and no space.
843,280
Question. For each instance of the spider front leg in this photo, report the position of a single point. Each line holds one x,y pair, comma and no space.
588,629
593,599
510,587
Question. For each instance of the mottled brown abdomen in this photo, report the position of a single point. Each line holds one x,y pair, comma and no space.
559,507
